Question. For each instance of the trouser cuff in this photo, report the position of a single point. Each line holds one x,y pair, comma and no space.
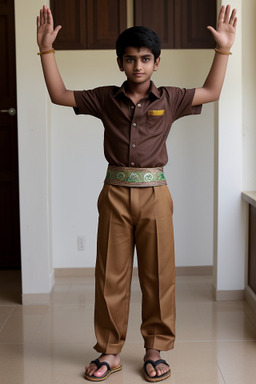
159,345
109,349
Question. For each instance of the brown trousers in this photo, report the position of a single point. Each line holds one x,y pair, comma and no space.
129,217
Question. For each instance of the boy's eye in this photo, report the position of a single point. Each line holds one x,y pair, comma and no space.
132,60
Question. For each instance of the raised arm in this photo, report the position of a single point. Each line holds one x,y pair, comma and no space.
46,35
224,36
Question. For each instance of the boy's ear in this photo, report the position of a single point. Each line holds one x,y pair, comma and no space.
120,65
157,63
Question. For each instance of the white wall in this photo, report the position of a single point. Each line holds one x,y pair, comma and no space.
32,101
249,95
78,165
230,217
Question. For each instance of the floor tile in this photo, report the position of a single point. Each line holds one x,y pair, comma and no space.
237,361
5,313
215,344
214,321
195,363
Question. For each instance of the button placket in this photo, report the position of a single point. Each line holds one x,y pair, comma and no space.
134,135
133,142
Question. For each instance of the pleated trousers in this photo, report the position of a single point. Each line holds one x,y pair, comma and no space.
130,217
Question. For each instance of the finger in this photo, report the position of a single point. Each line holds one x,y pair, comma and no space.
221,14
46,15
49,17
227,13
41,16
57,29
232,17
214,33
235,22
212,30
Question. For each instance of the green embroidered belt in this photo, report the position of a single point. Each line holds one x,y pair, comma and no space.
135,177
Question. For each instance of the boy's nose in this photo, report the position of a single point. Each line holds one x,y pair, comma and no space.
137,66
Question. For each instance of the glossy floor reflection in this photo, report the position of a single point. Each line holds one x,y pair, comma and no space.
216,342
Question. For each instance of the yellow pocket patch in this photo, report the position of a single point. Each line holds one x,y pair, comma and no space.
155,112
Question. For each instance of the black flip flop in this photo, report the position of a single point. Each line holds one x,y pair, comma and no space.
106,374
155,379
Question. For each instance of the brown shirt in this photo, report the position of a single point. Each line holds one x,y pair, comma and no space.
135,135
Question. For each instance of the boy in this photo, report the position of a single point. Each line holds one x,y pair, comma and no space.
135,206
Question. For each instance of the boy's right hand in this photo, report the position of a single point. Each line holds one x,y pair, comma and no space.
46,34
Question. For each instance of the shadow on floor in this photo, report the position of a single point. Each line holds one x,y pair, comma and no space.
10,287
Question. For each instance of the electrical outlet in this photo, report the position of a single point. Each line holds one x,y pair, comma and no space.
81,243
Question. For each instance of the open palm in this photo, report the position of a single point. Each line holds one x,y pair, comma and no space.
225,33
46,34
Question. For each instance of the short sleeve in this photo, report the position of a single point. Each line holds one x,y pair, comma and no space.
181,102
90,102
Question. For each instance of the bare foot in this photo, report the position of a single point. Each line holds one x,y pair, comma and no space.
112,360
161,369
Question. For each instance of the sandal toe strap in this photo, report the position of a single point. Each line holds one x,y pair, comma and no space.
155,363
100,364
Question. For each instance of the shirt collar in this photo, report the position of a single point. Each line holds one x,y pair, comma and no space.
153,90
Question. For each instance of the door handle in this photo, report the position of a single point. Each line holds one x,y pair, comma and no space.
11,111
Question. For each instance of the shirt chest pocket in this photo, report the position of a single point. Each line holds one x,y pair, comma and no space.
155,121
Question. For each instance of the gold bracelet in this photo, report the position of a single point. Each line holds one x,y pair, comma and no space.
222,52
46,52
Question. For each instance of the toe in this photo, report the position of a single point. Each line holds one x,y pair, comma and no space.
91,369
100,372
150,370
162,369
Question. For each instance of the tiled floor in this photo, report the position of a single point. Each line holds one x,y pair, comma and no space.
216,342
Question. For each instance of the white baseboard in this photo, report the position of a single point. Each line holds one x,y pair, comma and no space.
74,272
52,279
40,298
202,270
36,298
233,295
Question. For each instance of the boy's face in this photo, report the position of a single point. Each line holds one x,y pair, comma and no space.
138,64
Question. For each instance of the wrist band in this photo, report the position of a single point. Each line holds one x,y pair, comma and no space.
46,52
222,52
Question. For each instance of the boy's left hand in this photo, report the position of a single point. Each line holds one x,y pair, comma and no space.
225,33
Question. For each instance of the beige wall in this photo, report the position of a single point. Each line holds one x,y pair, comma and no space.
34,159
249,95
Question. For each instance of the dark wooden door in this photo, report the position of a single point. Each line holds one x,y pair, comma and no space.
90,24
9,192
180,24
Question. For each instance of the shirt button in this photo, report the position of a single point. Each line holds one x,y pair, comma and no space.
132,164
139,105
134,124
132,106
133,145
